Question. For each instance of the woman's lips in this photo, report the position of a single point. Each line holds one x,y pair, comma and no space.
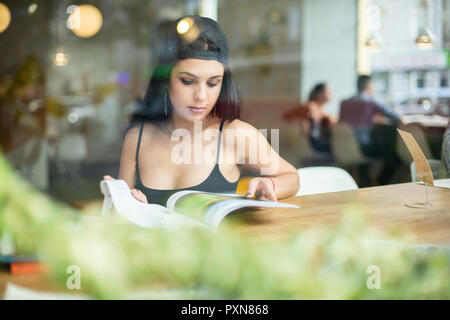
197,110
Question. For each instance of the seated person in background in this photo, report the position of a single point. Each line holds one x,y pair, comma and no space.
446,149
314,120
360,112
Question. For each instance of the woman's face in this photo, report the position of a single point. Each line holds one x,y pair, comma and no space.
326,95
194,87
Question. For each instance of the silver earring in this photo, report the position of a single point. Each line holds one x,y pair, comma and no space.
165,102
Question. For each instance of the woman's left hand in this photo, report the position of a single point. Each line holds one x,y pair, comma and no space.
261,188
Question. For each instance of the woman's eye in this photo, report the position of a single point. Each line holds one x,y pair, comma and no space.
189,82
186,82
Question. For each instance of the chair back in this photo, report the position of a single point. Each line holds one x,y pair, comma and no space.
315,180
345,146
294,144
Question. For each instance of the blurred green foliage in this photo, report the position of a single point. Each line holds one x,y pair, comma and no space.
116,257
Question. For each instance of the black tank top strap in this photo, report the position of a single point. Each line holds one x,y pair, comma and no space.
138,146
218,144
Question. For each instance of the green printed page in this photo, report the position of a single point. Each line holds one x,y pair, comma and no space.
195,205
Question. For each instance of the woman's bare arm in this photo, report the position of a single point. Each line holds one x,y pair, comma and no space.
128,157
128,162
260,157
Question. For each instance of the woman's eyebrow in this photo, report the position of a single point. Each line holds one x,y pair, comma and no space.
193,75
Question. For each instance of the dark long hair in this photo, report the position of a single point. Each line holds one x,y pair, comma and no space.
315,93
156,100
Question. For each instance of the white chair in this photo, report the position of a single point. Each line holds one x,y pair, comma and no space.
315,180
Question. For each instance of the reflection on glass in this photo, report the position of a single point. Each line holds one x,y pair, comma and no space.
32,8
373,43
60,58
85,20
187,28
184,25
426,104
424,40
5,17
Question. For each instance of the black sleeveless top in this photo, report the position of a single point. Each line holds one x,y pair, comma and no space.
215,182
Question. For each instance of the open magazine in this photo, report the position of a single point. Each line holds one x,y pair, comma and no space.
183,208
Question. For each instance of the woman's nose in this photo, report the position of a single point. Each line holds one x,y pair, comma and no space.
200,93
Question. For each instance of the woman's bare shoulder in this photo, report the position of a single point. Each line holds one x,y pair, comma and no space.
238,124
132,133
238,133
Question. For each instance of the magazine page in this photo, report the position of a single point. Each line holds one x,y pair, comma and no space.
180,194
211,208
118,194
218,211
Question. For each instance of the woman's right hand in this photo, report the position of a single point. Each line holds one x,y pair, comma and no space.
134,192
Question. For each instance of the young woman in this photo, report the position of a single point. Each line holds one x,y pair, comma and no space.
193,92
316,122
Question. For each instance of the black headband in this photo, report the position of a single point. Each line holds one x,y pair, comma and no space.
201,54
211,30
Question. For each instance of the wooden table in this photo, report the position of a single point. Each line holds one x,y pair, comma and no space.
382,206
